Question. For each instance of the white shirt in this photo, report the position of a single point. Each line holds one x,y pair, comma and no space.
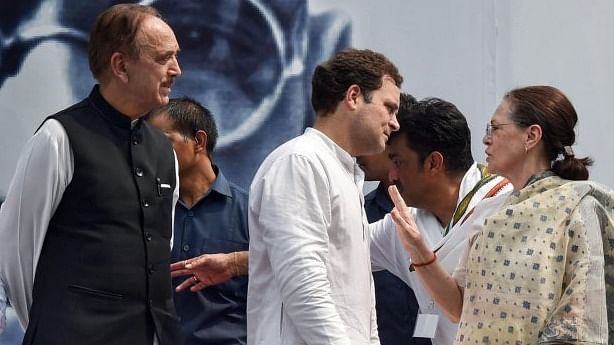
388,253
44,170
309,268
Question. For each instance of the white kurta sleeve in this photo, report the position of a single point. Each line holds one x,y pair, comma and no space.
43,172
175,198
382,238
294,218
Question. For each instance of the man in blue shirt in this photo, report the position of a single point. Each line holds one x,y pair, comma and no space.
396,303
210,237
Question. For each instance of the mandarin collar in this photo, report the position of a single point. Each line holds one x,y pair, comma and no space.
107,111
347,161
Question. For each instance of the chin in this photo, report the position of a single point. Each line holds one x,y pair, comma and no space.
492,168
163,99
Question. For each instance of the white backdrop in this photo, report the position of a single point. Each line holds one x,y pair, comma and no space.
471,52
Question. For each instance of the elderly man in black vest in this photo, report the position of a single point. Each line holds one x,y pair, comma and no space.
86,228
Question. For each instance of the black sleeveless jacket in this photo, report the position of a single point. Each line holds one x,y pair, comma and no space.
103,273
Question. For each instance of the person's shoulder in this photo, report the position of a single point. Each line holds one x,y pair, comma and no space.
237,191
298,148
72,110
596,191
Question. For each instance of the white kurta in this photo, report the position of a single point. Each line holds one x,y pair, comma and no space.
388,253
309,268
44,170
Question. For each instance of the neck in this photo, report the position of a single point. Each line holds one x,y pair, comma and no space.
335,130
444,199
521,175
119,100
195,183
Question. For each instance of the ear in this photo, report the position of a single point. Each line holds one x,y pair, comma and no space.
534,136
434,163
352,94
200,141
118,66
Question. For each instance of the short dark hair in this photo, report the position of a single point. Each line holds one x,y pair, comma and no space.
433,124
115,30
348,67
188,117
549,108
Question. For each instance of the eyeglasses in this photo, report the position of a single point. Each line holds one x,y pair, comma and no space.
490,127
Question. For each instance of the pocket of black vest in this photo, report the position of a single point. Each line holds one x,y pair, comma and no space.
95,292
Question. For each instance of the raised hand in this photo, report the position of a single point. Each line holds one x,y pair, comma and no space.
408,231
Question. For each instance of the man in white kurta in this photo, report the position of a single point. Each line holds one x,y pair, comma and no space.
309,266
435,172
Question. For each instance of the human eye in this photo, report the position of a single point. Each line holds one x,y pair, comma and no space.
392,109
165,58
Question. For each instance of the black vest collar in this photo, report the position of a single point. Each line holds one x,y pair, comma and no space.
107,111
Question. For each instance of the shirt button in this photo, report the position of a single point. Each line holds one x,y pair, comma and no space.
145,203
151,269
148,236
138,172
190,214
135,140
186,247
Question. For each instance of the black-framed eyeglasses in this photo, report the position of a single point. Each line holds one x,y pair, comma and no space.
490,127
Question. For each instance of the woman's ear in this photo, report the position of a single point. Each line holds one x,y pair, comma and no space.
534,136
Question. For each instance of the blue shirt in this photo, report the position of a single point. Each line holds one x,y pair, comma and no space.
216,224
395,302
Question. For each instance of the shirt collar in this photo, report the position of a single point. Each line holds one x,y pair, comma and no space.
347,161
470,179
108,112
221,184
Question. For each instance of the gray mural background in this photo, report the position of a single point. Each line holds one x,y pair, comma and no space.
250,61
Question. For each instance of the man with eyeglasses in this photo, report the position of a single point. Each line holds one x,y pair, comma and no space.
434,170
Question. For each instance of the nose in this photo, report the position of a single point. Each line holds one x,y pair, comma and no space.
393,174
174,69
394,123
486,139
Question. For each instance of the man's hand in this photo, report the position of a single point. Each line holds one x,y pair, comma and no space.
209,269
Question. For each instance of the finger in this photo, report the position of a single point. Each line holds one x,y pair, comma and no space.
198,287
181,273
177,265
196,262
398,218
398,201
185,284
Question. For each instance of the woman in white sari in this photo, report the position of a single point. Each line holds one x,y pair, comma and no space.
540,270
